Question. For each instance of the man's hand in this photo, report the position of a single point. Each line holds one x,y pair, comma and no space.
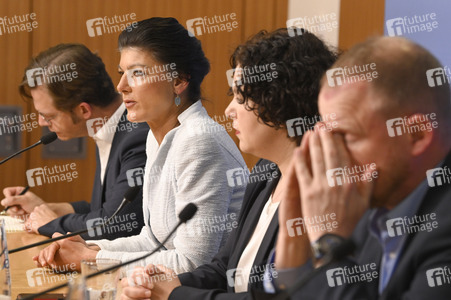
321,151
292,248
153,281
40,216
21,205
65,252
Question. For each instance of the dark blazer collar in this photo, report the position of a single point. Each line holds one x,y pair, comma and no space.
116,140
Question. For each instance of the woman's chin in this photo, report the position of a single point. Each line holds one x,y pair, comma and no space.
133,117
243,147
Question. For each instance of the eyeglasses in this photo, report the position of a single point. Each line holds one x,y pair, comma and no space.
48,120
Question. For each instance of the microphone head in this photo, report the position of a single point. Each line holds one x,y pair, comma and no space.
188,212
131,193
48,138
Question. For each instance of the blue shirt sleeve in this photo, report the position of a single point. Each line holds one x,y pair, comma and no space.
278,280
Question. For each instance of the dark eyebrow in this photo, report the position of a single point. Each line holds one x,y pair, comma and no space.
132,66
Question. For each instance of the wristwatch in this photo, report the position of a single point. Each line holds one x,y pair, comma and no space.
325,244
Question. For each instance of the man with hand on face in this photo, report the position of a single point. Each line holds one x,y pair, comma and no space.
87,104
399,221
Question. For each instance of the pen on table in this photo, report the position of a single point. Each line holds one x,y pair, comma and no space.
21,193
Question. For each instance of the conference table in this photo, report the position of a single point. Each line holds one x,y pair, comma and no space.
25,278
22,267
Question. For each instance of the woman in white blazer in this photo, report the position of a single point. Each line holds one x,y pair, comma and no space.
189,156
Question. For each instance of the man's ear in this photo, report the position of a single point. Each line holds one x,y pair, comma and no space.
84,110
180,85
420,129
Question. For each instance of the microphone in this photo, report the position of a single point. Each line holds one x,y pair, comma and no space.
185,215
128,197
45,139
337,253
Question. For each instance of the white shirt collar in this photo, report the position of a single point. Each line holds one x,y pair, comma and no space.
106,133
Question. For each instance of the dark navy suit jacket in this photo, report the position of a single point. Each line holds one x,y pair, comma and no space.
128,151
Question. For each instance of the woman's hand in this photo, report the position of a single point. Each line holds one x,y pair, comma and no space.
156,282
65,252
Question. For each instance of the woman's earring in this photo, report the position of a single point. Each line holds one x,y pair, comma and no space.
177,100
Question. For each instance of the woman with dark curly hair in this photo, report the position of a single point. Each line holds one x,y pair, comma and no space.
275,89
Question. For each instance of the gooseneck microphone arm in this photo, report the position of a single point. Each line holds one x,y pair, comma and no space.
185,215
46,139
128,197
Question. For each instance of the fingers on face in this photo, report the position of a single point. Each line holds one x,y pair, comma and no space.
327,151
302,160
333,147
317,154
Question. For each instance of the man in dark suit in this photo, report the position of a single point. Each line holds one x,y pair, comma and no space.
85,105
394,134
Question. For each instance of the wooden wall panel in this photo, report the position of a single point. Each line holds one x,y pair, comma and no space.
64,21
14,54
360,20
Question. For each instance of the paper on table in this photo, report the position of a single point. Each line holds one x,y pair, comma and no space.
12,224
